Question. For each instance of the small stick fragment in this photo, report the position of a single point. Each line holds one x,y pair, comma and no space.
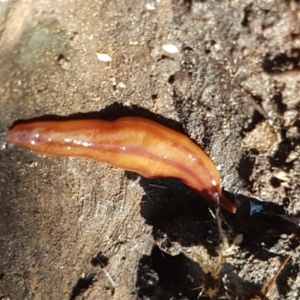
158,186
102,265
268,286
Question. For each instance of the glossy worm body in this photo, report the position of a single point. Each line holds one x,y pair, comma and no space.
134,144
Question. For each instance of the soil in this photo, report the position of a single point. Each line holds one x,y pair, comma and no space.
227,74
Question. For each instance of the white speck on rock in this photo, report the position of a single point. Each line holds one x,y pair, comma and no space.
103,57
150,6
170,48
121,85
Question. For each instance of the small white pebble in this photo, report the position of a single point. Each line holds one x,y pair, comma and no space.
217,47
31,164
121,85
103,57
281,175
150,6
170,48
